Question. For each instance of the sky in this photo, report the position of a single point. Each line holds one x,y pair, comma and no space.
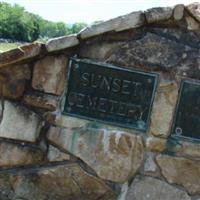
71,11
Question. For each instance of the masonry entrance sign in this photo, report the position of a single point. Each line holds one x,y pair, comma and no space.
187,117
109,93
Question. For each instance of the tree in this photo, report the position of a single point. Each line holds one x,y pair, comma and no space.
17,24
78,26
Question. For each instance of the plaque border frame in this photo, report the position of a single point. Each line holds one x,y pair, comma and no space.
172,134
108,65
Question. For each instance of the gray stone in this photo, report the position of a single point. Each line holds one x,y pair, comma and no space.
41,101
178,12
49,74
115,155
13,80
12,155
156,144
162,113
21,53
154,52
188,38
192,24
158,14
194,10
69,122
144,188
53,183
61,43
181,171
150,165
19,123
149,52
55,154
129,21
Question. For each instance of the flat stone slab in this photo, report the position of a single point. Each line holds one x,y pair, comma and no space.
144,188
13,80
19,123
181,171
64,182
41,101
49,74
20,53
194,10
158,14
129,21
61,43
12,155
114,155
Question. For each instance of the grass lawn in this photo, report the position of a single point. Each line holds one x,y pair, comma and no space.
7,46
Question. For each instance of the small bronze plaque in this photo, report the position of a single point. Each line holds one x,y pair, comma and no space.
110,94
187,117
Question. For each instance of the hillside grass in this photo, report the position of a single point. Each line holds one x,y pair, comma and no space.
7,46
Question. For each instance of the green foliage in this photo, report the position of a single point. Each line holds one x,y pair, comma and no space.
17,24
77,27
7,46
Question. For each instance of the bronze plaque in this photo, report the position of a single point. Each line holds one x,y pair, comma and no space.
109,93
187,117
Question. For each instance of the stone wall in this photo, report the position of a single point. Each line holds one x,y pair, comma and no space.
47,155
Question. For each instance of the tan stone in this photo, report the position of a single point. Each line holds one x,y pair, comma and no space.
19,123
20,53
18,155
181,171
189,149
129,21
158,14
49,74
13,80
163,108
192,24
55,154
65,182
144,188
43,101
194,10
150,166
114,155
63,42
156,144
178,12
69,122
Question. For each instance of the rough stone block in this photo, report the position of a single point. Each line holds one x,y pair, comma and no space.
19,123
69,122
178,12
129,21
20,53
158,14
63,182
114,155
61,43
12,155
144,188
55,154
192,24
156,144
181,171
13,80
163,108
194,10
43,101
49,74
